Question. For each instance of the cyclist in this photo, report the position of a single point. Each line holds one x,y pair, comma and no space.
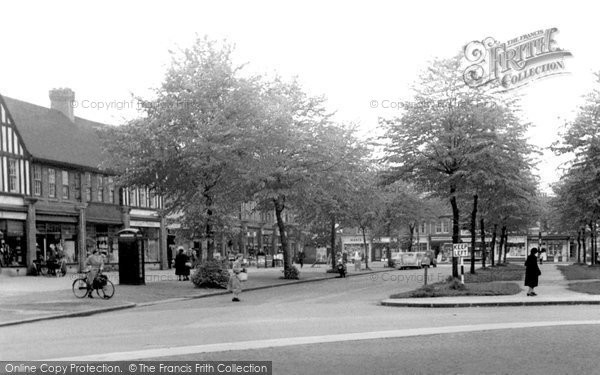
95,262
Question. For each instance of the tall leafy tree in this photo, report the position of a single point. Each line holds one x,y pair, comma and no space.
441,136
581,141
325,202
189,144
290,151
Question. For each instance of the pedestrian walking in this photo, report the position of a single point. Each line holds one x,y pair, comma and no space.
301,259
357,260
234,285
181,265
341,267
532,272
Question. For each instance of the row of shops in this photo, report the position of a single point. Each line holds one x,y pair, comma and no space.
558,248
31,232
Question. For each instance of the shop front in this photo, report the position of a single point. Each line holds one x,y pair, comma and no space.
61,237
151,239
13,242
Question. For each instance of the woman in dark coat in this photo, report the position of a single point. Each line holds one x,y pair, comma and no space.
181,269
532,272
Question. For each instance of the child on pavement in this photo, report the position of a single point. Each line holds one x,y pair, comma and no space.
235,285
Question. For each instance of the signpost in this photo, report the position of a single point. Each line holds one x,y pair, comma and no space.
461,250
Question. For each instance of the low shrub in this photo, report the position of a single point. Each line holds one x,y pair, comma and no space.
211,274
291,273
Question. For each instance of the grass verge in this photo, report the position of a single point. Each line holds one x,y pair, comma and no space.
592,287
501,272
580,271
454,289
490,281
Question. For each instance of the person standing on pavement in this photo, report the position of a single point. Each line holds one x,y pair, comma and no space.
181,269
532,272
234,285
95,262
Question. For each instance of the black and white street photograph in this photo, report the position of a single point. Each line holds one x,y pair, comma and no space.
316,187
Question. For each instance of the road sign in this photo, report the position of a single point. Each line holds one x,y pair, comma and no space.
460,249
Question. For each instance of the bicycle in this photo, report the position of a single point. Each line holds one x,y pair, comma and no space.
103,286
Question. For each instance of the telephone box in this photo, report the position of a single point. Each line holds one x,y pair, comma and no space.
131,257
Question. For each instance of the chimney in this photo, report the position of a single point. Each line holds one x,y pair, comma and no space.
62,100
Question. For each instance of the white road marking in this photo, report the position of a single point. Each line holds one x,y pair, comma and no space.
292,341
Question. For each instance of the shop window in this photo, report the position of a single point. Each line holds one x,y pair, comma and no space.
51,183
152,244
12,243
37,180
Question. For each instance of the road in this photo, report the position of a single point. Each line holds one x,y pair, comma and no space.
335,325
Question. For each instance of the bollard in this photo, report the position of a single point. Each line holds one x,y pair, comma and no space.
425,278
462,271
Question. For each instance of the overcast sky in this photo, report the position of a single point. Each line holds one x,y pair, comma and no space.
352,52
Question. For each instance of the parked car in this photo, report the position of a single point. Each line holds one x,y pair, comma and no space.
408,260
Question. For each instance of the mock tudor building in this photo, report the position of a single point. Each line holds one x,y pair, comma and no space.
54,193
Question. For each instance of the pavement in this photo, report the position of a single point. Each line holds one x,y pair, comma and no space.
26,299
553,289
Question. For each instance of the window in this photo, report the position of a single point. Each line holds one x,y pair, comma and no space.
65,185
143,197
423,228
445,226
37,180
51,183
111,190
13,176
151,200
77,185
438,227
88,187
100,191
132,197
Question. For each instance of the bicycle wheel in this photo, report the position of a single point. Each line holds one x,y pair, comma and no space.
80,287
107,291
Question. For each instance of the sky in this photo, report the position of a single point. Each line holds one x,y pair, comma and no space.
361,55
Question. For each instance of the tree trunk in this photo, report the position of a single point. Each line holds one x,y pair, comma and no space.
493,245
578,246
502,232
455,229
483,254
210,245
333,242
473,232
595,244
584,245
287,257
505,245
592,243
366,249
411,235
388,251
